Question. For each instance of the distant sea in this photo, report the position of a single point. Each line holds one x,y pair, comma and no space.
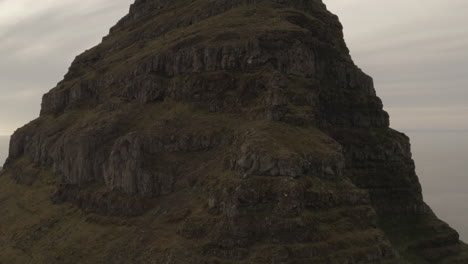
4,143
442,165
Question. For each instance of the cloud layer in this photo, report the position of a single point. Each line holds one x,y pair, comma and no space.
416,53
415,50
39,40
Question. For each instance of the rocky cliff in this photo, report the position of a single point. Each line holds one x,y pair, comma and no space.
216,132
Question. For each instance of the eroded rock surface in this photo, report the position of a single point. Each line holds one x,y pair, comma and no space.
213,131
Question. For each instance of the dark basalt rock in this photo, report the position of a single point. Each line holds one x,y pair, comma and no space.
215,131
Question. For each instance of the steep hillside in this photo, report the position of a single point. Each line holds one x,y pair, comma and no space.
217,132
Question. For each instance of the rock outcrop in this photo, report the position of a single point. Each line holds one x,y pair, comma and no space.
217,131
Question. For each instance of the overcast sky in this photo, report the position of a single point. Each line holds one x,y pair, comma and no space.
39,40
417,53
415,50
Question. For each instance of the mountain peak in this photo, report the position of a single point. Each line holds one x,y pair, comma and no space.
215,131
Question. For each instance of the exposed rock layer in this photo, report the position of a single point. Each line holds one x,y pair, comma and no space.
220,132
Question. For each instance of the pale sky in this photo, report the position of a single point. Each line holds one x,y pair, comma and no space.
416,51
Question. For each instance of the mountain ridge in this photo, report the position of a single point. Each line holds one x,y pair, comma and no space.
218,132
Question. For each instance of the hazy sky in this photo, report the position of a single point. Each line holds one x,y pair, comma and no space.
415,50
39,40
417,53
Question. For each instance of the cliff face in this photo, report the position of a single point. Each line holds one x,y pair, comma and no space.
204,131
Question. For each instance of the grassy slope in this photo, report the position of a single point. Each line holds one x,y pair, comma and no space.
49,233
34,230
30,224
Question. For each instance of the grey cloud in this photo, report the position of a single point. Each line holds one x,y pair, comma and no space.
416,53
414,50
37,51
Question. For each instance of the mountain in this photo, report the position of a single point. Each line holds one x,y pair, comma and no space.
217,132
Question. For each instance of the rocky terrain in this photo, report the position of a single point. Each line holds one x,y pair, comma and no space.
217,132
